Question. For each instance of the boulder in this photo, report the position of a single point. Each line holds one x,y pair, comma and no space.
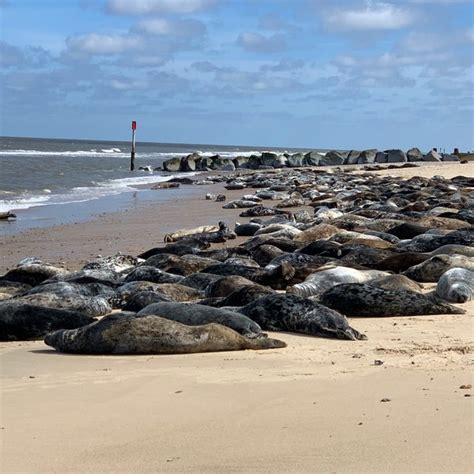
333,158
273,159
381,157
223,164
173,164
206,163
432,156
448,157
366,157
241,162
352,157
414,154
254,162
190,162
313,158
396,156
295,160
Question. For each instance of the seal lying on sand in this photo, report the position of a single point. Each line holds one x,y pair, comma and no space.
33,273
196,314
356,299
319,282
431,270
456,285
126,333
22,321
296,314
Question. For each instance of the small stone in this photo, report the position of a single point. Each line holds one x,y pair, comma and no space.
360,423
466,387
179,391
467,394
386,400
378,362
32,376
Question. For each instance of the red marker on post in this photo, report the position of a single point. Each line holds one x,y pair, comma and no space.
132,156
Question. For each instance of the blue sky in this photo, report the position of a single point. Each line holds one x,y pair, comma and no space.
301,73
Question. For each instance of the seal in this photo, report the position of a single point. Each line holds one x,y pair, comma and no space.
248,229
361,299
224,286
196,314
456,285
244,295
185,265
115,263
183,247
125,333
295,314
454,249
321,281
23,321
153,274
142,299
396,282
431,270
89,305
184,233
33,273
199,281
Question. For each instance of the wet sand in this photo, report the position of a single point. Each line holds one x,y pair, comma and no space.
314,406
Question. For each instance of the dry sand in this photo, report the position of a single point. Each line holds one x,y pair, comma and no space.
314,406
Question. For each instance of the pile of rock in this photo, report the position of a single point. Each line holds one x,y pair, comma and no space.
271,160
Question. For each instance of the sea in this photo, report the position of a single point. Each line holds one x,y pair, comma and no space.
50,178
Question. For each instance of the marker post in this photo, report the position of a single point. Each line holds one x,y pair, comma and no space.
132,156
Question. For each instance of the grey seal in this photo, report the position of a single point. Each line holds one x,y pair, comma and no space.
456,285
153,274
125,333
295,314
33,273
319,282
359,299
431,270
196,314
22,321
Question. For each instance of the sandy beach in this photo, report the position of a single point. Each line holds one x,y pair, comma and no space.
318,405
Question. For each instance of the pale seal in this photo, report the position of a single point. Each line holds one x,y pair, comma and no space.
295,314
358,299
456,285
125,333
321,281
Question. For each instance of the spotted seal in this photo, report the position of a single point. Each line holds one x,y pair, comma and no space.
295,314
359,299
456,285
196,314
23,321
125,333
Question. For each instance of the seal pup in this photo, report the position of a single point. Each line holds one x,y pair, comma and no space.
125,333
321,281
196,314
23,321
295,314
456,285
431,270
365,300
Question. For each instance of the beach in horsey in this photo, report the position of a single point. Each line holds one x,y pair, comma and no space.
399,401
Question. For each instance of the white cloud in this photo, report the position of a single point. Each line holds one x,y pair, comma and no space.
257,43
95,43
375,16
143,7
183,28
